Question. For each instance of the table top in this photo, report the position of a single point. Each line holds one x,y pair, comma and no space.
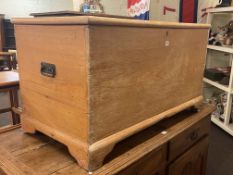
26,154
9,78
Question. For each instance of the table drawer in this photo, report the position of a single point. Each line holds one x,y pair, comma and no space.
151,164
186,139
192,162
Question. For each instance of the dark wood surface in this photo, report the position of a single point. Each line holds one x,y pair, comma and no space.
182,142
2,37
9,34
193,162
143,153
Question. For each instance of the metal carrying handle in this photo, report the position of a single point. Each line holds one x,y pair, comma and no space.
48,70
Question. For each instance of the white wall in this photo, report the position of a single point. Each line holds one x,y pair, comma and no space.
113,7
119,7
22,8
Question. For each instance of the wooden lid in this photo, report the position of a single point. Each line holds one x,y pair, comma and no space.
76,13
8,78
94,20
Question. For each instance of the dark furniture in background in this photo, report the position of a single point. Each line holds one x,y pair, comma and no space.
9,33
2,36
7,42
7,61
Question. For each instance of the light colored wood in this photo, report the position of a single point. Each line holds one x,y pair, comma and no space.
115,77
113,139
9,128
42,155
64,97
14,165
9,78
82,20
137,78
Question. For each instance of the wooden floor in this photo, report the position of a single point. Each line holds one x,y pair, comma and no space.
220,152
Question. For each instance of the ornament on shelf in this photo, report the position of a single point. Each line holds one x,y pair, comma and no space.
224,3
92,6
218,38
85,7
223,36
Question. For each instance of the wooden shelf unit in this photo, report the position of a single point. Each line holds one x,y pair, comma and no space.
221,10
228,128
226,125
221,49
218,85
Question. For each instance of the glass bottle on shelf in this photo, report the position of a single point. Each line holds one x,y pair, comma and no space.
85,7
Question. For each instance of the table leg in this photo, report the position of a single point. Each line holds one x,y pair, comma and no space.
14,103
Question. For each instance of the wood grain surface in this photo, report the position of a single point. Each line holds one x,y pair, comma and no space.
193,162
76,13
26,154
92,20
56,106
138,77
114,78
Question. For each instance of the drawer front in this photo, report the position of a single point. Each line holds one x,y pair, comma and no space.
151,164
186,139
193,162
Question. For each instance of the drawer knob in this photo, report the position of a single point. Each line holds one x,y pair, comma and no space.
194,135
